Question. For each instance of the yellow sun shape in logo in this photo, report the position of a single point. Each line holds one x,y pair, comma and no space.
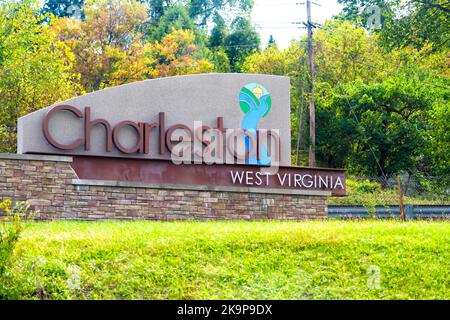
258,92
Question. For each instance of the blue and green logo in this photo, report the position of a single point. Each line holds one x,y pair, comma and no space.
255,102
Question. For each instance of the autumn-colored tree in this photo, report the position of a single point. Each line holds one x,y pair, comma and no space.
35,67
382,93
177,54
108,47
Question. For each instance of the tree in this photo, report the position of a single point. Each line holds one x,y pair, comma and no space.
109,49
404,23
351,58
437,156
35,67
202,10
219,59
174,18
218,32
375,129
156,9
271,41
377,84
216,40
242,41
345,53
177,54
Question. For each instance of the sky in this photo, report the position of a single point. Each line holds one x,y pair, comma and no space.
275,17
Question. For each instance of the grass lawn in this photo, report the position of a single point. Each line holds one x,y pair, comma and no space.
231,260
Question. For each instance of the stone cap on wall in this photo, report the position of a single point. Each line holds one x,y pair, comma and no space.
128,184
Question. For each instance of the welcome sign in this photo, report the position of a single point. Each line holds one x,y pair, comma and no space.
149,119
215,130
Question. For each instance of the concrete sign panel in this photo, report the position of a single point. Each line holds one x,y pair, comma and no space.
151,119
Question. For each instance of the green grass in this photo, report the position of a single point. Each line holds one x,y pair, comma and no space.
231,260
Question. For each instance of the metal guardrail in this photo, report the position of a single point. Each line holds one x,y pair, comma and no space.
438,212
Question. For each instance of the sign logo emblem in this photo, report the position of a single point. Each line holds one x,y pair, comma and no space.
255,102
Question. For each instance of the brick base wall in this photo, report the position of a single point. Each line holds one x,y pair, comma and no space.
51,185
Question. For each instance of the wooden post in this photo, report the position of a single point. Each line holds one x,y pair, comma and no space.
402,208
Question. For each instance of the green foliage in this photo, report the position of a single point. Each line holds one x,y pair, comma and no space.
175,18
35,67
219,59
195,15
231,260
202,10
366,193
439,147
11,226
369,200
381,121
364,186
346,53
106,56
417,189
271,41
218,32
384,111
393,106
404,23
156,9
241,42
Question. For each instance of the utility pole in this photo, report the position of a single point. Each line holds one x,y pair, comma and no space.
309,25
312,108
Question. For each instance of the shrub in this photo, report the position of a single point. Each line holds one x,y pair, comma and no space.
367,186
420,190
11,226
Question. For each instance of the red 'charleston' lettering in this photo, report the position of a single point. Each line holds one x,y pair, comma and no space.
143,131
